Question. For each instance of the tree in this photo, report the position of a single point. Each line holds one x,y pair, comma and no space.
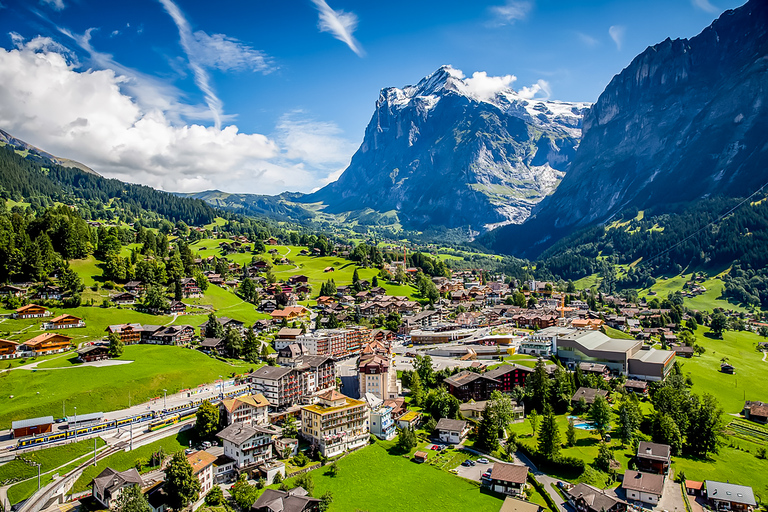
233,342
131,499
213,329
718,323
244,493
155,298
289,427
503,410
537,387
251,346
333,469
423,366
533,418
325,501
305,481
488,430
116,345
441,404
417,393
181,484
406,439
666,431
549,437
355,277
207,420
630,417
706,426
570,434
604,458
600,414
215,497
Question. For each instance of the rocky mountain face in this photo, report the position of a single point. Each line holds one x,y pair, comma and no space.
686,119
448,152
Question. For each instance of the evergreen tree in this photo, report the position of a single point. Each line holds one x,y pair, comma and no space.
630,417
233,342
406,440
570,433
537,386
666,431
488,430
549,437
375,282
213,328
251,347
116,345
417,393
600,414
604,458
181,484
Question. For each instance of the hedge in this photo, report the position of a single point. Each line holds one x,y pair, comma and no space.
541,490
561,465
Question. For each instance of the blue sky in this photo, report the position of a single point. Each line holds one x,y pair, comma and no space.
266,96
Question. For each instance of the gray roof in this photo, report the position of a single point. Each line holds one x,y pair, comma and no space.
446,424
82,418
596,340
653,355
506,368
238,433
595,499
274,500
643,482
654,451
32,422
110,480
730,492
211,342
271,372
588,394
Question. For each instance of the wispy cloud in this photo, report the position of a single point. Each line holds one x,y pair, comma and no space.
213,51
705,5
56,4
339,23
617,34
587,39
318,143
540,90
510,12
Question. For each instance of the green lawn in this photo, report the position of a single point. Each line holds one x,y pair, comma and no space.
372,479
49,458
126,460
748,383
617,334
585,283
41,393
731,464
707,301
24,490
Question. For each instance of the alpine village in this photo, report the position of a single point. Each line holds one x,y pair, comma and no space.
413,344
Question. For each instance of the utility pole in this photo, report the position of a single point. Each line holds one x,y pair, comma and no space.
38,476
164,406
94,451
131,435
75,423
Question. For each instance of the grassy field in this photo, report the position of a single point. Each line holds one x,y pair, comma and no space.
585,283
372,479
48,458
707,301
126,460
91,389
748,383
731,464
617,334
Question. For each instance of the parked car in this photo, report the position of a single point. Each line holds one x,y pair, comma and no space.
482,460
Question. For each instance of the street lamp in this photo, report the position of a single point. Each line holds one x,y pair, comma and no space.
164,407
221,385
75,423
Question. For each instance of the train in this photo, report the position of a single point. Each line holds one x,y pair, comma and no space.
157,419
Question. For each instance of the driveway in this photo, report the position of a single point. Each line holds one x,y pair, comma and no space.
473,472
672,499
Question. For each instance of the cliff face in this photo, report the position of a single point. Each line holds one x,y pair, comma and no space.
439,154
685,120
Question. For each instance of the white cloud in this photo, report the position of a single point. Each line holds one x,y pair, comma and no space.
617,34
539,90
587,39
315,142
339,23
510,12
55,4
485,87
87,116
705,5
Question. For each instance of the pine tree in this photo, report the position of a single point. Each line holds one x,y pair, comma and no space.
537,386
629,420
417,393
251,346
570,433
600,414
604,458
213,328
181,484
488,430
549,437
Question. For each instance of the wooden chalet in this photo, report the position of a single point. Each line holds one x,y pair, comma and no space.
8,349
93,353
63,322
47,343
31,311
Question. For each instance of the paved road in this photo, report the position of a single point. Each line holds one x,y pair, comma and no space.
672,500
473,472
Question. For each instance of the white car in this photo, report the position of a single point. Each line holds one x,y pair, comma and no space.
483,460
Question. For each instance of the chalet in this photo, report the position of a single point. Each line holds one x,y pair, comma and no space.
8,290
177,307
63,322
727,496
595,368
290,313
683,351
124,299
643,487
213,346
588,394
509,376
108,485
508,478
190,289
135,287
47,343
31,311
451,431
250,410
639,387
467,385
172,335
8,349
226,323
93,353
585,498
268,306
298,279
129,333
421,457
294,500
50,292
755,411
271,241
653,457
